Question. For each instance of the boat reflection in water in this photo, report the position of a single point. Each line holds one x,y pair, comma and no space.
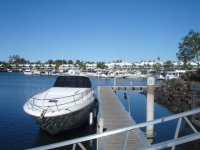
43,138
64,106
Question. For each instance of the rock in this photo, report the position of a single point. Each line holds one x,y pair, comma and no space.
174,108
167,103
185,106
175,94
177,101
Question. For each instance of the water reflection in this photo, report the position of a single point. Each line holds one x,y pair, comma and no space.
44,138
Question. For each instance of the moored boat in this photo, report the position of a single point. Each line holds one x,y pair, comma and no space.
64,106
28,72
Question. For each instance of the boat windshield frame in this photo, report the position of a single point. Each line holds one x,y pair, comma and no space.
73,81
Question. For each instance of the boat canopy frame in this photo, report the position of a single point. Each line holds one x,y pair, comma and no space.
76,98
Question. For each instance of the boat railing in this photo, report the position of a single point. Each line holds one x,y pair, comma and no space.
177,140
76,99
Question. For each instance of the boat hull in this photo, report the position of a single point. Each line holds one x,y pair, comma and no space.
60,123
28,73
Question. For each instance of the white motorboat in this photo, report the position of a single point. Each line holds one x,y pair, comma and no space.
28,72
36,72
64,106
134,75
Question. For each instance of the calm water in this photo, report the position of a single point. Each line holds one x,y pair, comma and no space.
19,131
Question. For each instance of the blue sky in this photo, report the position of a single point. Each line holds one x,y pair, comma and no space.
95,30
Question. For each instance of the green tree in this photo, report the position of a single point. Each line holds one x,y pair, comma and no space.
83,66
156,67
50,61
101,65
189,49
38,62
58,63
78,62
17,59
70,62
117,61
168,65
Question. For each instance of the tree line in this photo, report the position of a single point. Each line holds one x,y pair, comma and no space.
16,59
189,50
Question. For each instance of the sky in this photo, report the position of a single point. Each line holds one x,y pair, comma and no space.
95,30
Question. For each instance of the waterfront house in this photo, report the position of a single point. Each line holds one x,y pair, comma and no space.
91,67
65,67
121,65
2,67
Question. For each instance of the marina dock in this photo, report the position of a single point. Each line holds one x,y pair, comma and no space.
114,116
116,130
135,88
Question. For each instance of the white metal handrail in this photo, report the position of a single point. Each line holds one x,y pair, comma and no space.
87,91
165,144
171,143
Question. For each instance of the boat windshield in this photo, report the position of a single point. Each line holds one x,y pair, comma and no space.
72,81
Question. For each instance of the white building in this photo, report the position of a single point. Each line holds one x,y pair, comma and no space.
91,66
2,67
147,63
121,65
65,67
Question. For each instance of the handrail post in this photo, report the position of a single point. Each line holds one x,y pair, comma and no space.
190,124
126,140
177,130
74,147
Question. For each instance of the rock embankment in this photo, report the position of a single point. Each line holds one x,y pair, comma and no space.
175,94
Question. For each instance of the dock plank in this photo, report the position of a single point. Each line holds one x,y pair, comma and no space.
115,116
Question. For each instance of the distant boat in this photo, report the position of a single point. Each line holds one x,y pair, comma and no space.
8,70
64,106
173,74
28,72
36,72
159,75
131,76
167,75
71,72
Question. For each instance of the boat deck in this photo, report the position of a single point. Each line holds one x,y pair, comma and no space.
115,116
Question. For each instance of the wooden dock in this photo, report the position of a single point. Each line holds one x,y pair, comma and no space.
115,116
134,88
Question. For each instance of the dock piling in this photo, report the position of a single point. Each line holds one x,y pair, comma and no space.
101,124
150,108
115,80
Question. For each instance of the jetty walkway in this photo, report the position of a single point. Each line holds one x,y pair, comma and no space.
114,116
